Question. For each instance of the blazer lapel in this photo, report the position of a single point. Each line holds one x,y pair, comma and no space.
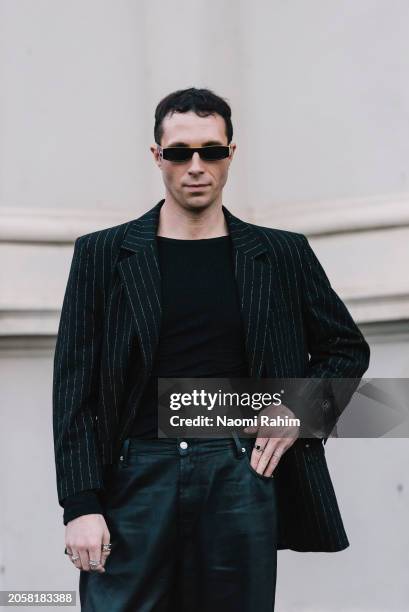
253,272
140,275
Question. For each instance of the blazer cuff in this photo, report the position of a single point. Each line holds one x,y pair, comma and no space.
84,502
314,405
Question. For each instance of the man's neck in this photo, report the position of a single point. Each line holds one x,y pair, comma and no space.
176,221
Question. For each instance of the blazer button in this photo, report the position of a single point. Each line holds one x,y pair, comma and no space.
325,404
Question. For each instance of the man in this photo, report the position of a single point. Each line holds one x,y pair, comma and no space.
190,290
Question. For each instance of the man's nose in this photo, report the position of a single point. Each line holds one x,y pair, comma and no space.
196,163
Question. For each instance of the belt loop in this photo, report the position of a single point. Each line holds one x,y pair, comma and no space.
239,446
123,457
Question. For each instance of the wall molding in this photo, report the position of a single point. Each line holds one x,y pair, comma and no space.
50,225
338,216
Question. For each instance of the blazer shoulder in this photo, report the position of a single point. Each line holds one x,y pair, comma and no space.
109,236
283,240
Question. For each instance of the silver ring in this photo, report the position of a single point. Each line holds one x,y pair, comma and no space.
74,558
258,448
106,547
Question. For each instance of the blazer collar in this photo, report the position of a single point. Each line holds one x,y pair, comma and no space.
141,233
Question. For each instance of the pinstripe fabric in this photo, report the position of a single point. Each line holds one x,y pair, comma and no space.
295,326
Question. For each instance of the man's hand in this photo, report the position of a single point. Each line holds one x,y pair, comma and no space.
267,450
84,537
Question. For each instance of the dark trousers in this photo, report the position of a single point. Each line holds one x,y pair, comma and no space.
193,529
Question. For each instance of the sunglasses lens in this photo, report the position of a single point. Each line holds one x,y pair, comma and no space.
177,154
182,154
215,152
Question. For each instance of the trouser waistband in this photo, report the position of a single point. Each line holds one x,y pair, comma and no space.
170,442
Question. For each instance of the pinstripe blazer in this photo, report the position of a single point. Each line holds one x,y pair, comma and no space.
295,325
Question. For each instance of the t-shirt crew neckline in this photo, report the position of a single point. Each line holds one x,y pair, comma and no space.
201,240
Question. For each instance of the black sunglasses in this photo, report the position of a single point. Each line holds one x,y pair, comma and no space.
183,154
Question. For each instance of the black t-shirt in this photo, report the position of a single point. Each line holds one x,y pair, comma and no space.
201,330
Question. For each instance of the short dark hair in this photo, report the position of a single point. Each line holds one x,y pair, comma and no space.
203,102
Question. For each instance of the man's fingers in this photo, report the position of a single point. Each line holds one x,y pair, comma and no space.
259,448
273,461
83,553
82,558
95,558
267,460
106,539
91,554
75,558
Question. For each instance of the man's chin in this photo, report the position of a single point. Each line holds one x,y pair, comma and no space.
198,201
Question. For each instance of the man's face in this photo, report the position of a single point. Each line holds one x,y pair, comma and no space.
190,130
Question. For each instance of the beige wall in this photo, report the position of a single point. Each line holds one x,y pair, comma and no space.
320,95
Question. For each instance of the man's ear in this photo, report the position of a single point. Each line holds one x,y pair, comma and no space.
156,157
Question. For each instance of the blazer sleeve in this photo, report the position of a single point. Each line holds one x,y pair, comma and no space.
75,377
336,347
84,502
